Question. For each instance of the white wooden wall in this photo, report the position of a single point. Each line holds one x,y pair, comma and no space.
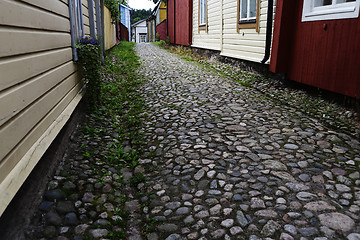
211,38
39,84
247,44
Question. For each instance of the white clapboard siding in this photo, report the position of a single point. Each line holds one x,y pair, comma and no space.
209,39
30,65
52,6
39,84
50,126
16,41
246,44
10,134
20,14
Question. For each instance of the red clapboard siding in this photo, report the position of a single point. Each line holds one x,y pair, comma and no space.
180,21
324,54
171,20
161,29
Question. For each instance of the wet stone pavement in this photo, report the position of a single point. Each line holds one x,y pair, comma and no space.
224,162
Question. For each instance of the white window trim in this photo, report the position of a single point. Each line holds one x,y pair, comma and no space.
202,12
247,12
335,11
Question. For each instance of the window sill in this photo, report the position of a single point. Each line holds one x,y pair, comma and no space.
247,25
202,28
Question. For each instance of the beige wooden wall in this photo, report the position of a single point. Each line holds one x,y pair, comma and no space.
222,35
109,30
39,84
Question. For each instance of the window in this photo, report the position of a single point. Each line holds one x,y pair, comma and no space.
202,15
316,10
248,11
142,37
76,24
248,14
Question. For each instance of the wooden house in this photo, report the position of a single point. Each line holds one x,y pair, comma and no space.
39,82
139,31
235,28
157,22
318,43
180,21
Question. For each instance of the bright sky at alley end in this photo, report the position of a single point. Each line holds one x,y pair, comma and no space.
141,4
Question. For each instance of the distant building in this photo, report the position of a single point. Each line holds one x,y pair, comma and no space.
139,31
157,23
125,13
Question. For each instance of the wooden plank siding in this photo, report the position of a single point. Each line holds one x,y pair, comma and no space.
322,53
222,33
39,84
109,30
179,20
210,38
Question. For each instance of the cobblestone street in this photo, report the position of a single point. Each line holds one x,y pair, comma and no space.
225,162
220,161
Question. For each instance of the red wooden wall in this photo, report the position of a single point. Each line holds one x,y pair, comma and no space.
180,21
161,29
324,54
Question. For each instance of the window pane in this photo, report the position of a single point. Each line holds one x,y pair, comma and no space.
320,3
243,13
252,8
202,11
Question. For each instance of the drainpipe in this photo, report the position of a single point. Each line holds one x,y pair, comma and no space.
269,24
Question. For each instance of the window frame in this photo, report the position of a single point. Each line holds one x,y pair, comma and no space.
76,24
329,12
202,25
252,23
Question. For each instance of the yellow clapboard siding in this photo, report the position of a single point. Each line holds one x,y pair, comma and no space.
20,127
22,15
57,7
17,41
15,70
21,171
14,100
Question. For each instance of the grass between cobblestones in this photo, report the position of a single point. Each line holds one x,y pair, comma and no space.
330,113
114,131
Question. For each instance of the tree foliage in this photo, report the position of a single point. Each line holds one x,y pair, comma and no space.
139,14
113,7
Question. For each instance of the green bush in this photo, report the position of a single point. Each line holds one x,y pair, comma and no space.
89,59
113,7
162,43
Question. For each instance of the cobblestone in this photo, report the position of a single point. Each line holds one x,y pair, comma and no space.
247,165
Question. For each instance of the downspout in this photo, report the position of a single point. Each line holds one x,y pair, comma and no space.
269,25
221,27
